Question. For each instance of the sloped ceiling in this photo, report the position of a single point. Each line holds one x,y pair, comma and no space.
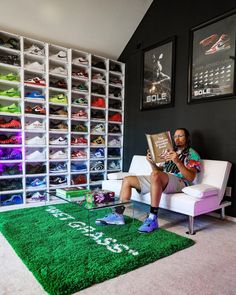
102,27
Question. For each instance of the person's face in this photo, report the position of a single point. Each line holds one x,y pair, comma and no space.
180,138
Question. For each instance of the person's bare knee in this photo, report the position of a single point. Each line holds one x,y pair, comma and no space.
131,182
155,177
159,178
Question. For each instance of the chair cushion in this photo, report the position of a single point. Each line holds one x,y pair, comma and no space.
200,190
119,175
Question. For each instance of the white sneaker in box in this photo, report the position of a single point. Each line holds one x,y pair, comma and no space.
57,155
36,125
35,141
58,141
35,66
36,155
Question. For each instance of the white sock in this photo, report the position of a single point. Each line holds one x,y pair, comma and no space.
152,216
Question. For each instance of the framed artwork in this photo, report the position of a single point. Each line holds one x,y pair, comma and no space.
157,82
212,60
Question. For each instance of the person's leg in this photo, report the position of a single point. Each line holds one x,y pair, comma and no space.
159,181
116,217
128,183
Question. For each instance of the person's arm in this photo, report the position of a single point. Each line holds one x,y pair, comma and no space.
188,173
152,163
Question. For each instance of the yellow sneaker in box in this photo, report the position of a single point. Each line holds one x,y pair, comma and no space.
60,98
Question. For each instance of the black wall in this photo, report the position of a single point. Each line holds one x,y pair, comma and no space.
212,124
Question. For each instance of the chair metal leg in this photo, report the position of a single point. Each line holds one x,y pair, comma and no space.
190,226
222,213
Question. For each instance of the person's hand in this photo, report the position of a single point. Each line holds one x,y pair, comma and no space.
149,157
172,156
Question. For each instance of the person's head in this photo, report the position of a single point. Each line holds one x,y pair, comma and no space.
181,138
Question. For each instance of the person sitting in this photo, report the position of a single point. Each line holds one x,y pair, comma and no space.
179,170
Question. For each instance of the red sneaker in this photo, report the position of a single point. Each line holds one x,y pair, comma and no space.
36,81
209,40
11,124
78,154
39,110
11,140
222,44
98,102
29,110
79,179
80,114
79,140
116,117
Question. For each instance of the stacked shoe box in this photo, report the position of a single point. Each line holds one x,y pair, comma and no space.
61,118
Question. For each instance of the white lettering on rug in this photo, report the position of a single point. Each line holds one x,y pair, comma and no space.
57,213
99,237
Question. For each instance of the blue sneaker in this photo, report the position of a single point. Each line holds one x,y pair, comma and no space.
36,182
78,167
14,200
35,94
148,225
112,218
98,153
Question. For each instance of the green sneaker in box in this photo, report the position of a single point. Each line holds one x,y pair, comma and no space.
73,191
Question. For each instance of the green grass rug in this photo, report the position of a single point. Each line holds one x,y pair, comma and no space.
54,243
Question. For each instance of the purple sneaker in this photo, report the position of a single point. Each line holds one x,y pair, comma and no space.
37,196
12,155
148,225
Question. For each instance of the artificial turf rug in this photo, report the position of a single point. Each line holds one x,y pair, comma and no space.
55,244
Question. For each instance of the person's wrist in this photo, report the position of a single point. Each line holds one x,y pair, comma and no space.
178,161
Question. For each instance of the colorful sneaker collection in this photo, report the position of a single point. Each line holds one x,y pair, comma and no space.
35,123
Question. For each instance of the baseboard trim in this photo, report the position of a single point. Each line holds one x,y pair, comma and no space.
229,218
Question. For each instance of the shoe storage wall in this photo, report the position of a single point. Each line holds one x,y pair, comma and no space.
61,118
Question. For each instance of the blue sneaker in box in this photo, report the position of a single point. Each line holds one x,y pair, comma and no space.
14,200
35,94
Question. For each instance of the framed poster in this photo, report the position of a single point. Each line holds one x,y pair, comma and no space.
157,83
212,60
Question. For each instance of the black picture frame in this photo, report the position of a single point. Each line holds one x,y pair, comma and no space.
212,59
157,75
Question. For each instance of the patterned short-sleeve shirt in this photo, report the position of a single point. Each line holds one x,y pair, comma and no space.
190,158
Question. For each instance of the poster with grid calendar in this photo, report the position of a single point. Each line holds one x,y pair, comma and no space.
212,60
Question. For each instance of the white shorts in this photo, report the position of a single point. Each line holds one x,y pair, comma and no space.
175,184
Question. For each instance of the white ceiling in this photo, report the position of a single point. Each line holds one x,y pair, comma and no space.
102,27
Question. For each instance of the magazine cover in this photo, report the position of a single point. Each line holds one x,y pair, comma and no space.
159,144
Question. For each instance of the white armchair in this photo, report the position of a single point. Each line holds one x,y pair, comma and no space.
201,199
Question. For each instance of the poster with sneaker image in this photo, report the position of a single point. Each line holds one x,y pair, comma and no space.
157,76
213,60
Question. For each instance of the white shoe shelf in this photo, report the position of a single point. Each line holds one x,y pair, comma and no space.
74,134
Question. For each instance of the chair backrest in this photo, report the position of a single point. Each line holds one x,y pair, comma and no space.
215,173
140,166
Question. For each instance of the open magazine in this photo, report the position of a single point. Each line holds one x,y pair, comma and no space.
159,145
